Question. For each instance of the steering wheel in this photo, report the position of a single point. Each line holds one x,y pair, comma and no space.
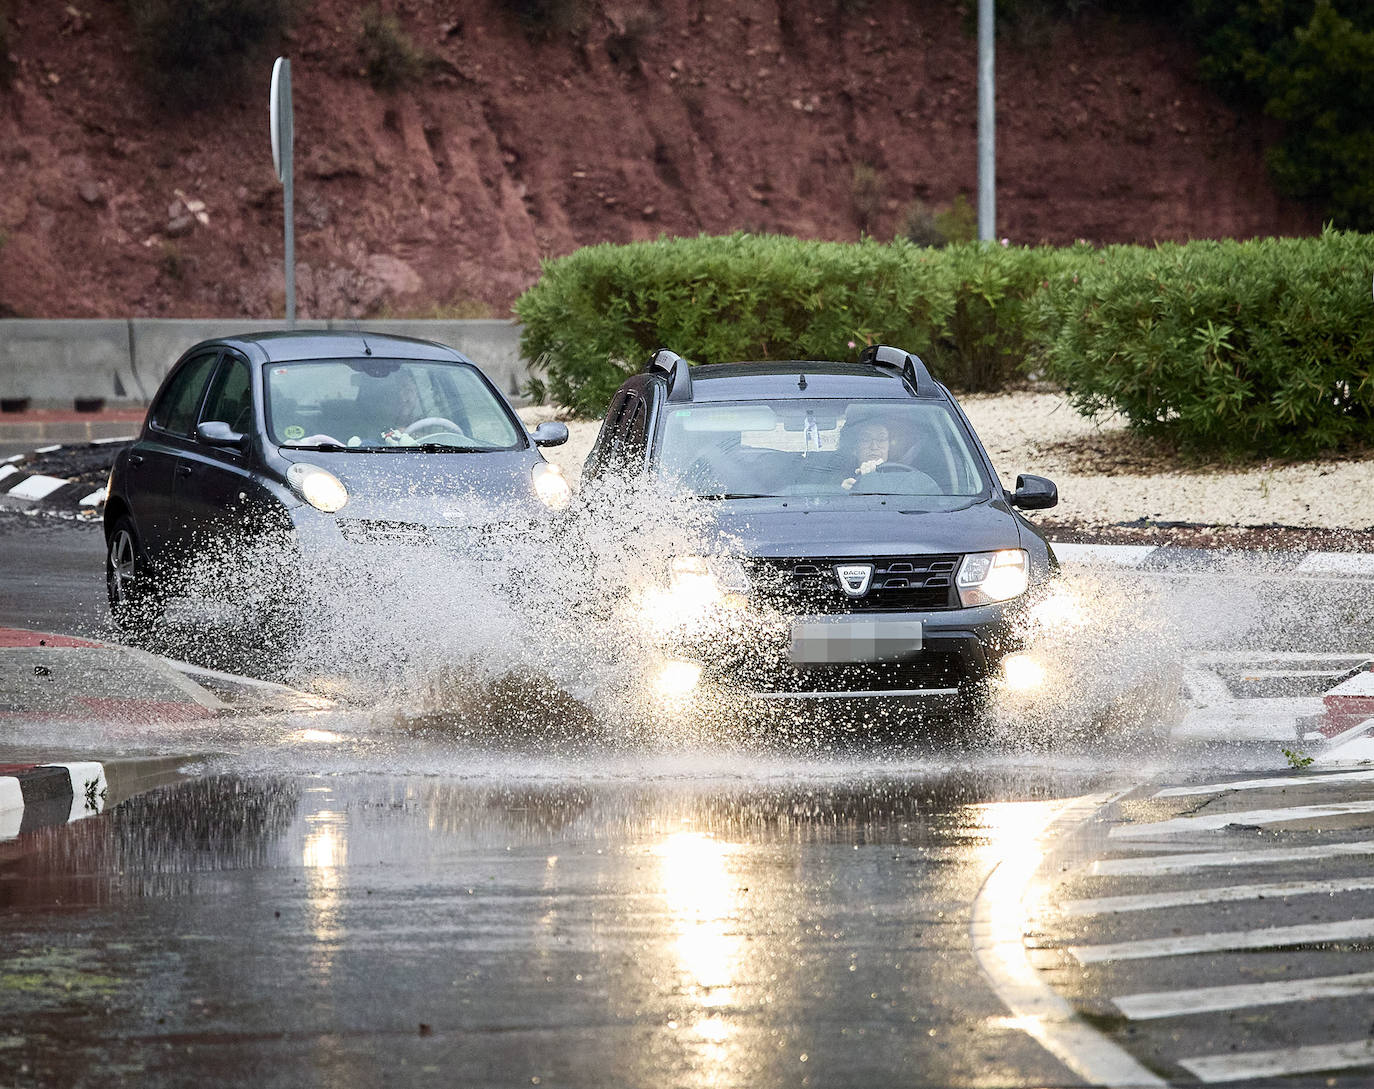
896,467
432,425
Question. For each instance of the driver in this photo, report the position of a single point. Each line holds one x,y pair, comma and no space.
863,447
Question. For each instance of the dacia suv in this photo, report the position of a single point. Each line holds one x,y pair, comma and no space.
867,546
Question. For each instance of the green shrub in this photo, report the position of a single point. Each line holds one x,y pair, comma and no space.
390,58
597,314
193,52
1263,347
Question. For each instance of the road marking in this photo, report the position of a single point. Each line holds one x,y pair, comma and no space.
47,449
93,499
1264,938
1260,784
1212,821
9,469
1325,563
997,933
1117,555
1188,861
1272,1064
1149,901
36,487
1145,1007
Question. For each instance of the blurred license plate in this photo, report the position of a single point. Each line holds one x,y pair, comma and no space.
849,639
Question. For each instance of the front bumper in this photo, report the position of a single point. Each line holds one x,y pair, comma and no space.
959,650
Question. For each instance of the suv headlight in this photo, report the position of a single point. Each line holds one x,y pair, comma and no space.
988,577
700,589
318,487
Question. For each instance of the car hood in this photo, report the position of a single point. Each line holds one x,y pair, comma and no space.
854,526
430,487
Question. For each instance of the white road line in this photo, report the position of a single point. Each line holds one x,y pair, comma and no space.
1211,821
1322,563
1149,901
1273,1064
1260,784
94,499
997,935
1187,862
1145,1007
47,449
36,487
1226,941
1117,555
9,470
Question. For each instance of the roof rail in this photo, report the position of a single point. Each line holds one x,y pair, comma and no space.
912,368
678,373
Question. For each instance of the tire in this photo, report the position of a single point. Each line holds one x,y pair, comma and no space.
135,597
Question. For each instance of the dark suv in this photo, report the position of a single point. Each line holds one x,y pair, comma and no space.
868,548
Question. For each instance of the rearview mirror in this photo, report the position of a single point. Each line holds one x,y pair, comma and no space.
550,433
218,433
1034,493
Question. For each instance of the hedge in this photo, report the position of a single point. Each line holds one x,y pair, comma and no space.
597,314
1262,347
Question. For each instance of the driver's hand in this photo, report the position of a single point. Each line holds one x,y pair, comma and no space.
849,483
870,465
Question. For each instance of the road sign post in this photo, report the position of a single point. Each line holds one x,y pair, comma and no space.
283,147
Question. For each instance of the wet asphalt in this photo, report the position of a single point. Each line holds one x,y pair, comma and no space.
331,900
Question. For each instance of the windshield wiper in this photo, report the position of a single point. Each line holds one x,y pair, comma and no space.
737,495
318,446
434,448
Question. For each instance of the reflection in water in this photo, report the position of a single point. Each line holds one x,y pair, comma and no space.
701,893
324,854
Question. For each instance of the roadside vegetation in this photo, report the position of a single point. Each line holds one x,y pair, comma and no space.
1259,348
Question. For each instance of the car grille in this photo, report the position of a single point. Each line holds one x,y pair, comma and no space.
929,670
900,584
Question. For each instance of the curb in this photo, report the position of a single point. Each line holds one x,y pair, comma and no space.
37,795
33,493
34,796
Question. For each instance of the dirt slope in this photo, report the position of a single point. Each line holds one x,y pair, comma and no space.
680,117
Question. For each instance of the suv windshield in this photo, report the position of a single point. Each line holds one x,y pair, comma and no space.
370,404
819,447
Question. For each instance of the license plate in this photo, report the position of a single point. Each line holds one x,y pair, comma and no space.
818,640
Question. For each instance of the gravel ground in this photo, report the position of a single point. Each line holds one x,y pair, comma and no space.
1118,487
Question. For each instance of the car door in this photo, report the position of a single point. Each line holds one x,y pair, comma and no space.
214,485
155,458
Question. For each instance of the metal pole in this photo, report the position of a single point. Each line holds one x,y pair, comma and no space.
987,130
288,193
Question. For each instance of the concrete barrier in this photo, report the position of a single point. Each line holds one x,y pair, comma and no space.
52,364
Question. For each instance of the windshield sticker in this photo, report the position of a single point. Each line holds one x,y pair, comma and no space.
294,432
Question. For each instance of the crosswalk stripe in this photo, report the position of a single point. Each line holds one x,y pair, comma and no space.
1103,905
1273,1064
1144,1007
1263,938
1261,784
1188,861
1207,822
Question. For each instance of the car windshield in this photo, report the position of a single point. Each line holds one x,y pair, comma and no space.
818,447
373,404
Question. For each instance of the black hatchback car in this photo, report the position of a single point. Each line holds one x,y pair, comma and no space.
329,438
867,546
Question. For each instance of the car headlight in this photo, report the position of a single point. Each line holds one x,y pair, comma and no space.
699,590
550,487
988,577
318,487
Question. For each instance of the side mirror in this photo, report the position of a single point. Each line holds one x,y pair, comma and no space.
1034,493
550,433
218,433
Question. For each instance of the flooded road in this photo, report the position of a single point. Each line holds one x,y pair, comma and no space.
366,895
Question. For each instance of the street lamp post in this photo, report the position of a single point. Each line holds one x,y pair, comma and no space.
987,138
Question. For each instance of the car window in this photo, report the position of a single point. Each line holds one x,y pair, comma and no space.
372,403
231,396
820,447
175,408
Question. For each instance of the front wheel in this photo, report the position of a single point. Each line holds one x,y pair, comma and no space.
135,598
